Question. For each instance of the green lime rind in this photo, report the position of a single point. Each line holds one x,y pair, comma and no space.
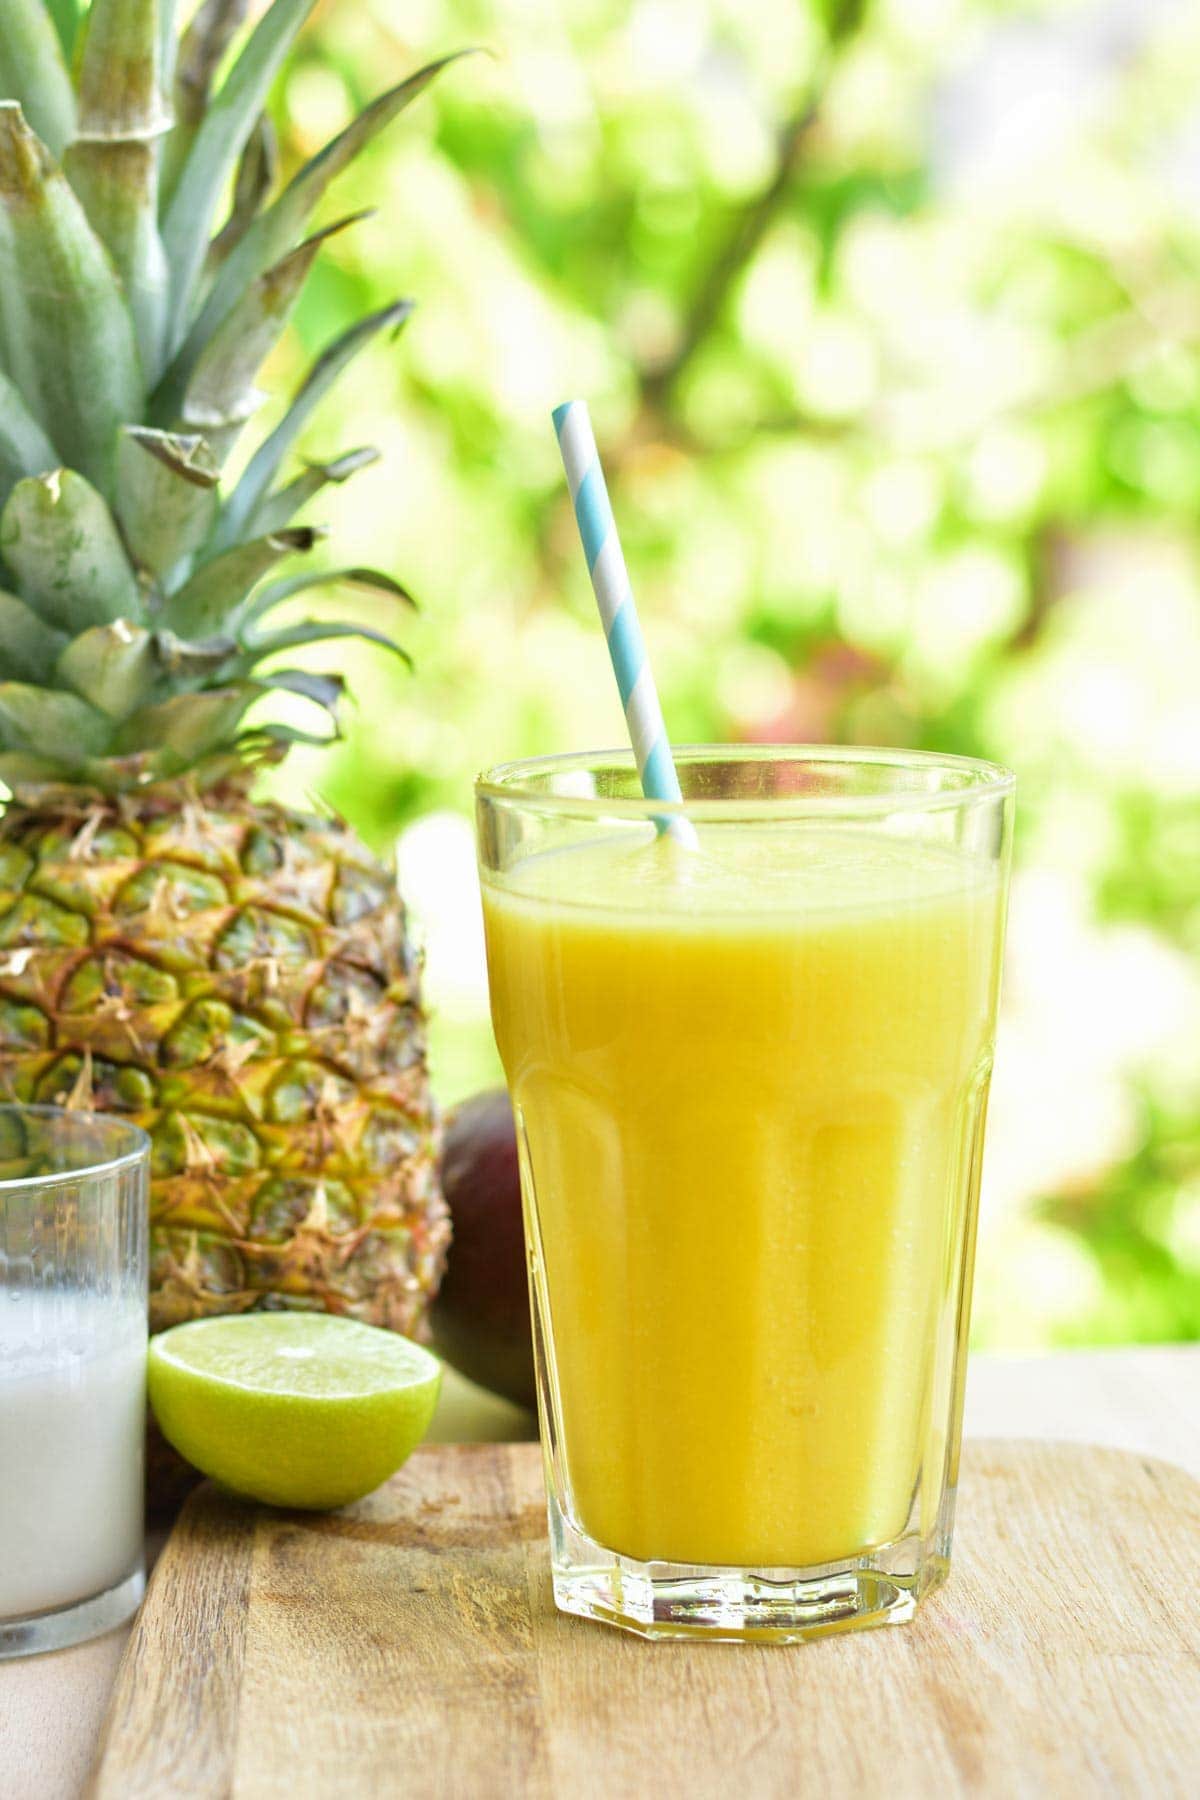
294,1409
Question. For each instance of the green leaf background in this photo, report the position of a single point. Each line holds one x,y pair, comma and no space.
902,421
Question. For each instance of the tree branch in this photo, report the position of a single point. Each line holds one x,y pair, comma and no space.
736,253
755,219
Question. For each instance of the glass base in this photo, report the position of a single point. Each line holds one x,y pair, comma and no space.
766,1606
74,1624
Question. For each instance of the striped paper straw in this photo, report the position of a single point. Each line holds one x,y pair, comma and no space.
614,597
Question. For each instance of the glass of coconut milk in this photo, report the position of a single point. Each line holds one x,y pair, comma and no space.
72,1375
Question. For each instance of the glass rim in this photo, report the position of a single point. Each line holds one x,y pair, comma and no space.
138,1150
513,783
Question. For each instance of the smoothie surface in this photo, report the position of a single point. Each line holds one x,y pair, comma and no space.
739,870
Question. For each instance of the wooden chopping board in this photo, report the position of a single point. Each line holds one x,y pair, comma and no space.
409,1646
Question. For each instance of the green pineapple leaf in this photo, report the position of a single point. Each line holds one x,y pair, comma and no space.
31,647
374,580
282,506
168,41
33,717
62,544
215,591
220,394
66,335
263,466
113,162
183,661
33,71
116,186
187,725
217,147
113,666
24,447
134,598
119,92
122,669
254,180
166,497
64,15
317,631
269,742
325,691
189,67
276,230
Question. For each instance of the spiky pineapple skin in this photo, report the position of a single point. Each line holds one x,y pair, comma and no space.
236,977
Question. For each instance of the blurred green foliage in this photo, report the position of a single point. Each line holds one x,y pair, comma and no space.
888,314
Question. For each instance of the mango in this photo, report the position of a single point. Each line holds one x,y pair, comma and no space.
481,1323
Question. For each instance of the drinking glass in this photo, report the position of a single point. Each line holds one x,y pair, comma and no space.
749,1078
73,1209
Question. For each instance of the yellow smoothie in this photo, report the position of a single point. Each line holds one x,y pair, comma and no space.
751,1081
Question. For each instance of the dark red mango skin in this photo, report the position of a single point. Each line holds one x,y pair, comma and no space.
481,1317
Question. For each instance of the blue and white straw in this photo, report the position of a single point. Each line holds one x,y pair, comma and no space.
614,596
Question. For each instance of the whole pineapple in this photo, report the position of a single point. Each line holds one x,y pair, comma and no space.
235,976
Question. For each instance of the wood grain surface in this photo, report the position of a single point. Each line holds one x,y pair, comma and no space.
409,1646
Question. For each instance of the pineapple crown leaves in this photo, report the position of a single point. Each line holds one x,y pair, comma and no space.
148,267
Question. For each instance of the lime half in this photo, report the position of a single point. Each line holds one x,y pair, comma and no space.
298,1409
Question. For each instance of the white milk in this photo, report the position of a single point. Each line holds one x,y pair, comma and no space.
72,1427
